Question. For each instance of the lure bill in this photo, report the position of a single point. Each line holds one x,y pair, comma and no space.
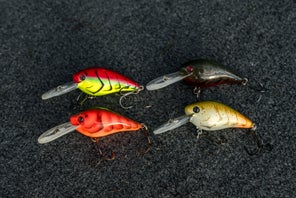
211,116
200,73
95,82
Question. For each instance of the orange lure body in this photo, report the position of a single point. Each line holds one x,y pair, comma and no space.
97,123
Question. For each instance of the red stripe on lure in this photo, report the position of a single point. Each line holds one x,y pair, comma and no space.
96,82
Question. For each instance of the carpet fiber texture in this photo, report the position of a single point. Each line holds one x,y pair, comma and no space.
44,42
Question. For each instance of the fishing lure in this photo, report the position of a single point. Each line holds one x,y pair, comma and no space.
94,123
201,73
97,82
212,116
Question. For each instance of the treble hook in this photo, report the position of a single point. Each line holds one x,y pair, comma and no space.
259,143
80,100
102,155
262,89
146,131
197,91
141,88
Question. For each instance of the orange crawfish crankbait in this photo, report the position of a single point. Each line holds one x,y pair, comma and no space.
200,73
212,116
97,82
94,123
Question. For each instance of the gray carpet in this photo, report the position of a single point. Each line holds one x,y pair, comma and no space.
44,42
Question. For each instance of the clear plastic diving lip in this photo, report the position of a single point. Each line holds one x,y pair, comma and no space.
56,132
165,80
59,90
172,124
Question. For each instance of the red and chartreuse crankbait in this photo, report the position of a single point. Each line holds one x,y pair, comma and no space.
97,82
200,73
212,116
94,123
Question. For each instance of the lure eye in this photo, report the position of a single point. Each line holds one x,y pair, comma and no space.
196,109
189,68
82,77
80,119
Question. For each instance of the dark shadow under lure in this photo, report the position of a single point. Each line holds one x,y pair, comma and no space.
201,73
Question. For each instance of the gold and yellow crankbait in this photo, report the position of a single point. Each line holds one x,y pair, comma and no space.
212,116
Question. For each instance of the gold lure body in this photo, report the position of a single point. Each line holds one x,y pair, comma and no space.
211,116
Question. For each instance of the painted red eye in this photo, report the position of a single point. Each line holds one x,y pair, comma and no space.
189,68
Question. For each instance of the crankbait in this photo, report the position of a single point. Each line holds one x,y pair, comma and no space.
212,116
201,73
94,123
97,82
